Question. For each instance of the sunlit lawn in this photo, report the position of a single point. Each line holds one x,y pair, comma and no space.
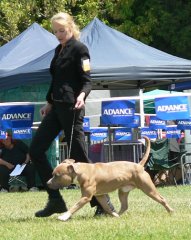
145,218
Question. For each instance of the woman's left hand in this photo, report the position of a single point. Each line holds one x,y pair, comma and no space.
80,101
27,160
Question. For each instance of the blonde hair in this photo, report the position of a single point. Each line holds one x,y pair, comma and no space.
67,21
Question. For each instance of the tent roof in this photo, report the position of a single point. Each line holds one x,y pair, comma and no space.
158,92
107,44
117,60
121,60
28,46
24,59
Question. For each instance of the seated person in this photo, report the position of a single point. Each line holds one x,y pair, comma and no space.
15,152
174,149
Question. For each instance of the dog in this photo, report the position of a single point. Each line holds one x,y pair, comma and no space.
98,179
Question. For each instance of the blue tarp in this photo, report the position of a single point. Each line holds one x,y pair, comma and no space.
116,59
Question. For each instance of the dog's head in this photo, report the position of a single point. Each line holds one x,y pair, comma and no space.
63,175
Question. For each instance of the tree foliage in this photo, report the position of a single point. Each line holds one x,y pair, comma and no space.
165,25
173,31
17,15
160,23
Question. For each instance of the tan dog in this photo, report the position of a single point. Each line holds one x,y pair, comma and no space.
101,178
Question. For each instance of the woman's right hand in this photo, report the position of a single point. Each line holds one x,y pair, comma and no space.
10,166
45,109
6,164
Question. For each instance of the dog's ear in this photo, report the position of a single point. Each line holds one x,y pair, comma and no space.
71,168
68,161
74,168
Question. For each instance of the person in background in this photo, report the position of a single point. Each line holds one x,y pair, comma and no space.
15,152
174,148
65,108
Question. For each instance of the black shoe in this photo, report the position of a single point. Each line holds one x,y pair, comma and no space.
56,205
99,211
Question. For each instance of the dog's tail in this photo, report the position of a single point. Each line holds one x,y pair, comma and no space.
146,155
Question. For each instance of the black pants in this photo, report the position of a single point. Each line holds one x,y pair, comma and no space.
59,118
28,172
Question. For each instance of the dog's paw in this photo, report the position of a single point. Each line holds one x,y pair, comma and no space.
114,214
65,216
171,211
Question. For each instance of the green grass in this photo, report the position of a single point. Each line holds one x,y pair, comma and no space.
145,218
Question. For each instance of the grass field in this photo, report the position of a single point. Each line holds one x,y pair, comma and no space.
145,218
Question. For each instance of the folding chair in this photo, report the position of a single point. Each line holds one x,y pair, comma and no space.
186,168
162,169
17,180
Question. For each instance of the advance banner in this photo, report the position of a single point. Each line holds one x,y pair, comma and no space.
86,124
3,134
122,134
98,134
150,133
16,116
135,122
173,132
22,133
118,112
156,123
172,108
184,124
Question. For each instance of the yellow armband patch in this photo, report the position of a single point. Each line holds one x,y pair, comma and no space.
86,65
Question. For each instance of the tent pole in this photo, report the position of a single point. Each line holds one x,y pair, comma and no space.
141,102
110,144
57,151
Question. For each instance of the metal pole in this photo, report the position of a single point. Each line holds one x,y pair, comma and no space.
142,115
110,146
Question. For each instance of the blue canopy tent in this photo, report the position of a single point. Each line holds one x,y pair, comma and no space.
26,47
118,61
24,59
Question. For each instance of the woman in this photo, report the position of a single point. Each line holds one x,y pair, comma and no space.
15,152
70,85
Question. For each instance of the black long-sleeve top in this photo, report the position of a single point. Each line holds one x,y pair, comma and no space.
15,155
70,72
